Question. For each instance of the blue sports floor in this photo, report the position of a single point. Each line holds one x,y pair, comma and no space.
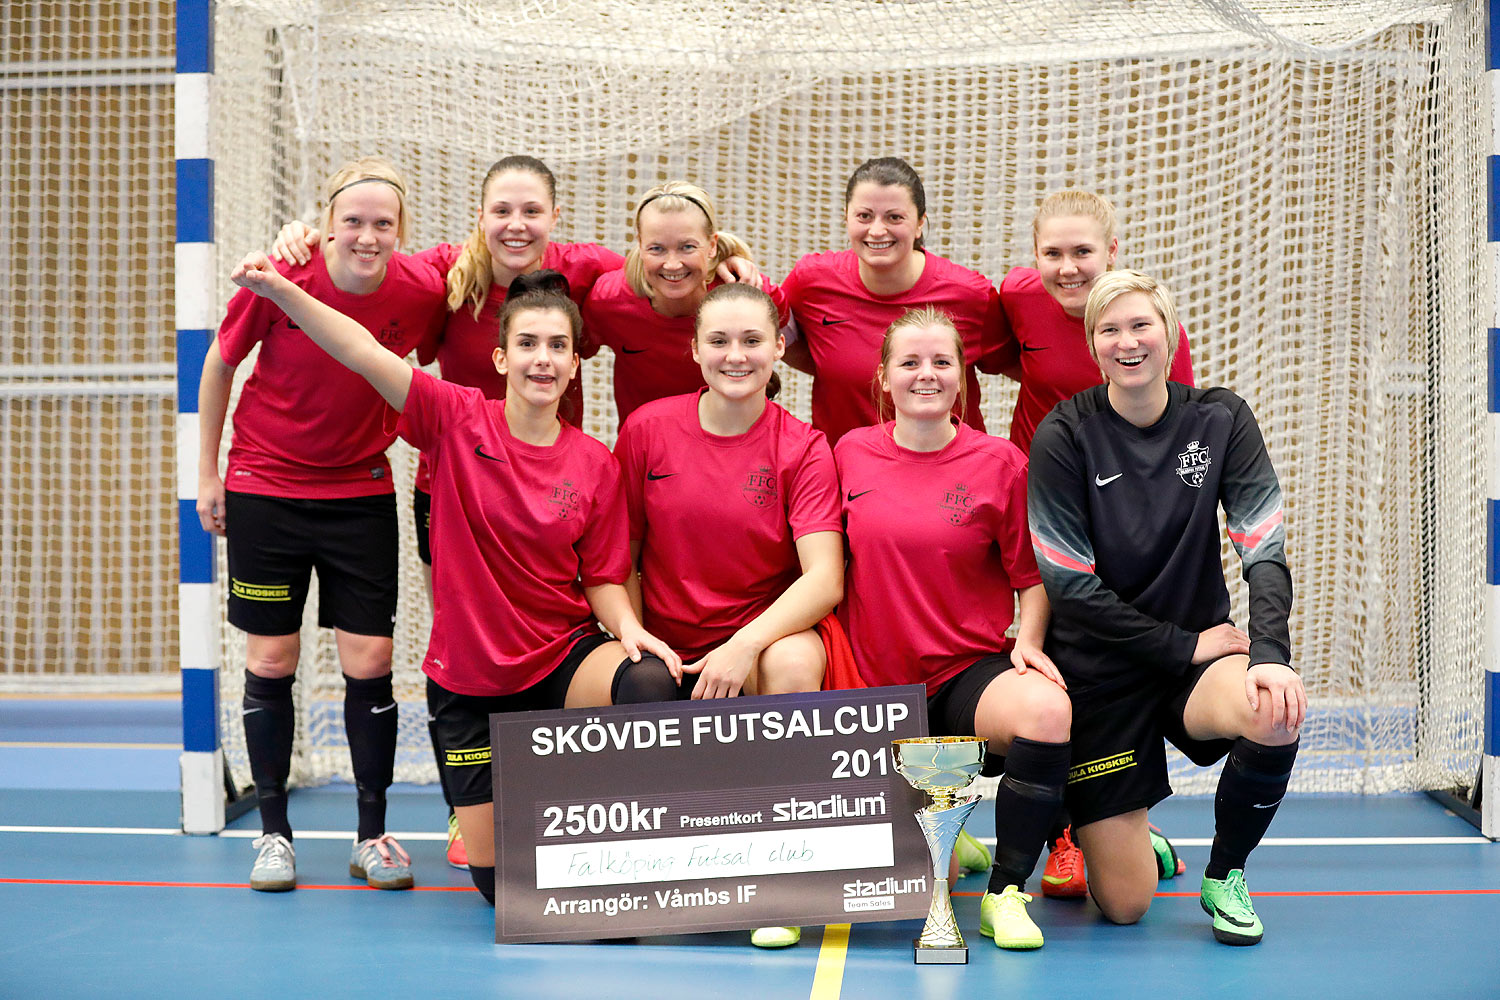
100,897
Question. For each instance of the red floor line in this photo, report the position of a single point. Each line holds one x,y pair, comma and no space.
219,885
1325,892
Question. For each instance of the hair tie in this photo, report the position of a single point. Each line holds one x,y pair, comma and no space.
675,194
368,180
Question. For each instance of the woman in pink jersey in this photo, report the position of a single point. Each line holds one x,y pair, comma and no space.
511,236
520,495
645,312
939,558
729,460
844,301
1073,236
309,486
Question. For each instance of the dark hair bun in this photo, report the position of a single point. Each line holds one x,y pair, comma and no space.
538,281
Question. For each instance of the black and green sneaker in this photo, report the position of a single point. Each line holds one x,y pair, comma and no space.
1168,865
1228,902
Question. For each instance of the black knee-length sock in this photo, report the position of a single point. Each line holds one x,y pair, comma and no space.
1028,798
370,722
644,682
268,716
1251,786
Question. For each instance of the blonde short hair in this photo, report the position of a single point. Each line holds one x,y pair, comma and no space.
1113,284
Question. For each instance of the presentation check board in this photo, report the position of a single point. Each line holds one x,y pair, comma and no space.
707,816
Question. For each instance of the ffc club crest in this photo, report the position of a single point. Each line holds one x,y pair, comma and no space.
958,504
564,500
760,487
1192,465
390,333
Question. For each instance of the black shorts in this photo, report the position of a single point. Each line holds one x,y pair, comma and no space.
1119,753
421,513
950,712
460,723
275,543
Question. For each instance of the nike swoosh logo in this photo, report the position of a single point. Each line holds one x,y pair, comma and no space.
1234,920
383,708
1265,805
831,322
632,350
251,711
1055,879
851,497
653,476
479,450
1105,482
1028,347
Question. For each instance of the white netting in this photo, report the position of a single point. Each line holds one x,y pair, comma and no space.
88,536
1306,176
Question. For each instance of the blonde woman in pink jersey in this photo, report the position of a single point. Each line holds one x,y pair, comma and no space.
1073,238
309,487
940,560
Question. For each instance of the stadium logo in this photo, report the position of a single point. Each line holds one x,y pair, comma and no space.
1192,465
958,504
865,896
760,487
564,500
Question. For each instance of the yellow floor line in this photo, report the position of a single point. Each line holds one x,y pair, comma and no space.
828,982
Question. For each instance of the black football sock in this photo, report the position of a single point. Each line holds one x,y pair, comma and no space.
642,683
1251,786
370,720
484,881
1026,802
269,716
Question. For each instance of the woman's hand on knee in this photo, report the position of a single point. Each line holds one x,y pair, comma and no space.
1220,641
1029,656
722,673
1282,687
637,640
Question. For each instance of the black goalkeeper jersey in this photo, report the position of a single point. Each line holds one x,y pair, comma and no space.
1124,521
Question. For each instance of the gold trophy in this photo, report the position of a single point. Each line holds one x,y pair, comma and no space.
941,766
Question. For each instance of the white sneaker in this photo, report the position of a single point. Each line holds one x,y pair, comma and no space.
275,868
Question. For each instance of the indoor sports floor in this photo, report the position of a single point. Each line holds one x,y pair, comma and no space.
1387,896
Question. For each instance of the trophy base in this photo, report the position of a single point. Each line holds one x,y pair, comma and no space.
957,955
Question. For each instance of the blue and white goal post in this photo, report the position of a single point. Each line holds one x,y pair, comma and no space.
1488,782
202,761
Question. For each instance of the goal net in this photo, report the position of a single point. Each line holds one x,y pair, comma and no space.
1305,175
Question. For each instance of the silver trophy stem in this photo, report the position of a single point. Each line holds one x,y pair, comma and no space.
941,942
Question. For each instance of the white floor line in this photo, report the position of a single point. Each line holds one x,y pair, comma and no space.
146,831
1323,841
149,831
